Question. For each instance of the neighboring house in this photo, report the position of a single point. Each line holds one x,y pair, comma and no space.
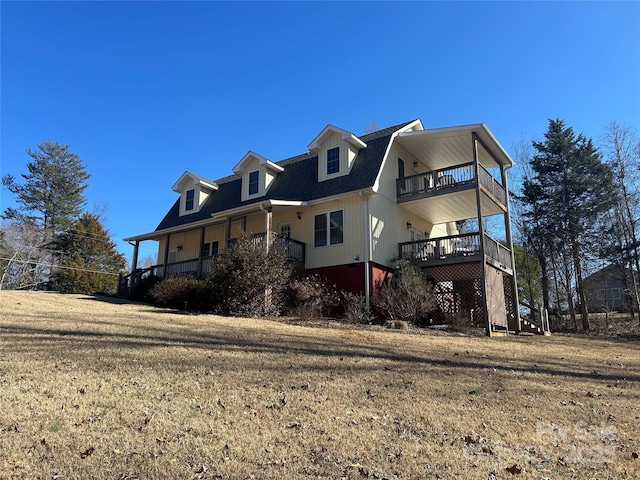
610,289
350,205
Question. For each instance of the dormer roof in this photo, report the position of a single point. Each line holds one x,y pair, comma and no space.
241,165
346,135
197,181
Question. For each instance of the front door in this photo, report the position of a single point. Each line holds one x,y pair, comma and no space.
285,230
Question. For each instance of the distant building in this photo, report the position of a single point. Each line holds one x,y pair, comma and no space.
609,289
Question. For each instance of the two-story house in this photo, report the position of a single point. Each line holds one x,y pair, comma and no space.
352,204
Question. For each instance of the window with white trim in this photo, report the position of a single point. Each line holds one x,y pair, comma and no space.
333,160
616,294
600,294
188,204
328,228
254,182
209,249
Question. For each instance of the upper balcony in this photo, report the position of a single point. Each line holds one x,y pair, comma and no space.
453,192
446,179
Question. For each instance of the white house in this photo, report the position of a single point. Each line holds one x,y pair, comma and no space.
351,204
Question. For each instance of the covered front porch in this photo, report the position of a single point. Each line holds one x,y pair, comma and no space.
191,248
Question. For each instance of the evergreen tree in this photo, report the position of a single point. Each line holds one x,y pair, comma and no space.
566,196
90,263
53,190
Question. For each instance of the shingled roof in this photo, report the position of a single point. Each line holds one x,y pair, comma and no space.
298,182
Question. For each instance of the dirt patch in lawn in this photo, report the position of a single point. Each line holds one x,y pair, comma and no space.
94,388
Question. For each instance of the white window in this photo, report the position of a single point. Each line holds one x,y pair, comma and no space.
333,160
616,294
189,200
209,249
254,182
600,293
328,228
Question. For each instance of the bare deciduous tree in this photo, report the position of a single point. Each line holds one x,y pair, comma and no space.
26,261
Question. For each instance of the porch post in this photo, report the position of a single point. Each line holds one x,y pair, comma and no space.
166,256
228,233
367,250
200,253
134,260
514,280
483,263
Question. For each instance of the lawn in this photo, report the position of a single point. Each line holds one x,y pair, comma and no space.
95,388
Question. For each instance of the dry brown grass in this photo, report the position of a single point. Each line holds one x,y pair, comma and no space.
90,388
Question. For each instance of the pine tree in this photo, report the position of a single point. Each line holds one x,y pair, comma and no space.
53,190
90,263
566,196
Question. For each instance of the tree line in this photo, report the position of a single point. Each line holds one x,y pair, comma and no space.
49,240
576,212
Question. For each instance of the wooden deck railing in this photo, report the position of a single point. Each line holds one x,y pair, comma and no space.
435,180
444,179
454,246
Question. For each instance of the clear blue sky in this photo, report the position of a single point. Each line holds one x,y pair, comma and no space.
144,91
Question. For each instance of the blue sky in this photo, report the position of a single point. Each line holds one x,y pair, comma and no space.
144,91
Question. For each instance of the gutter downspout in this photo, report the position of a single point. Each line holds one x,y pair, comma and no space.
367,249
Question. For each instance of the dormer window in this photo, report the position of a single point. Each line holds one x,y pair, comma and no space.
257,174
336,150
254,182
189,199
333,160
194,191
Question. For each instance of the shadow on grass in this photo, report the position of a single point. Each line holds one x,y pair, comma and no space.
216,337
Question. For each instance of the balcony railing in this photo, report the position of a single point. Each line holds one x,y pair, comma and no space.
461,247
435,180
440,248
494,249
445,179
494,187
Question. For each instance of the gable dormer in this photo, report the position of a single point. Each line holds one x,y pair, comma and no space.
194,191
336,150
257,175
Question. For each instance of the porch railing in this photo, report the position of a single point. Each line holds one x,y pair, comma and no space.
494,249
435,180
455,246
494,187
446,178
293,249
440,248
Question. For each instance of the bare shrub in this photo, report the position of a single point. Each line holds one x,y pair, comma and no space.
408,295
249,281
312,297
356,309
181,292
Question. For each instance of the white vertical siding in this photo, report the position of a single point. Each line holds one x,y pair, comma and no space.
344,253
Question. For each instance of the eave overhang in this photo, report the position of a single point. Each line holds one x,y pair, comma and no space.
442,147
215,218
